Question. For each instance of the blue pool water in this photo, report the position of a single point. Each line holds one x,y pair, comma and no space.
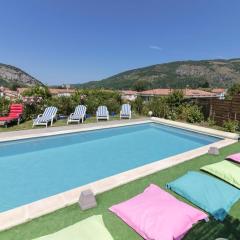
37,168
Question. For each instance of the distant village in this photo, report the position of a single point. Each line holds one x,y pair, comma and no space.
128,95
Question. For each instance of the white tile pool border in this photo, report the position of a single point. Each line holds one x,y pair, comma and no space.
198,129
33,133
36,209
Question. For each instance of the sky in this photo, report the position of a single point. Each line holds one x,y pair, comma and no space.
75,41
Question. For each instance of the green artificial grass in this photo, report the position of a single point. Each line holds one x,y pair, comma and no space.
229,228
28,124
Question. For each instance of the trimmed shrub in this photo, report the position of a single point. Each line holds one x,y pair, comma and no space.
211,122
31,110
159,107
65,105
94,98
231,125
138,105
4,106
190,113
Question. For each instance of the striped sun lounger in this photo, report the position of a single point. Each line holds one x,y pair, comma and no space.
102,113
48,116
78,115
126,111
14,115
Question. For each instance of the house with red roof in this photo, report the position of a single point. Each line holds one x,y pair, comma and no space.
188,93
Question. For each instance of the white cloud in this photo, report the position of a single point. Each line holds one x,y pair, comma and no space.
155,47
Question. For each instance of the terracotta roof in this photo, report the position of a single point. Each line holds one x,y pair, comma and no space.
52,90
197,93
129,92
218,90
186,92
159,91
61,90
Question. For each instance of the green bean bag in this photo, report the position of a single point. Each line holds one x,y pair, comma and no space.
225,170
91,228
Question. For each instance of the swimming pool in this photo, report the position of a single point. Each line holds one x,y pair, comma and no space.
41,167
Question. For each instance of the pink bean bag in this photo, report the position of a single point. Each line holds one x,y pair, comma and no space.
157,215
234,157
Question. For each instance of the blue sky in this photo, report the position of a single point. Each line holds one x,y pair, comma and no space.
73,41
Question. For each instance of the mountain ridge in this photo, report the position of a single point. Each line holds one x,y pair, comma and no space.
177,74
13,76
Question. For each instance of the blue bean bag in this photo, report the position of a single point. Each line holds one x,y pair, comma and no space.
209,193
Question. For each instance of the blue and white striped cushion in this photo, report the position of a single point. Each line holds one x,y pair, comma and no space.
102,111
126,108
48,113
80,111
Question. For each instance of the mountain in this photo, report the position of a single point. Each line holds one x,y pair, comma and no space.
11,76
202,73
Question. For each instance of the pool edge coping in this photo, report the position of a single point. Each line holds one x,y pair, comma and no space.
81,128
117,123
198,129
25,213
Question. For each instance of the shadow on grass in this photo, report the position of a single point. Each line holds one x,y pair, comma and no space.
229,229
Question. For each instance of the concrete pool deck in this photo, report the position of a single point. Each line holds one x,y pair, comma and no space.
35,209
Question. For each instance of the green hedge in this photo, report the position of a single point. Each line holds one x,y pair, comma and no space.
66,105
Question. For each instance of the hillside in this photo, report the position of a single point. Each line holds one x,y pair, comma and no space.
12,76
204,73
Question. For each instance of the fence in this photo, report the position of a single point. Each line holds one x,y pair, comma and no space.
222,110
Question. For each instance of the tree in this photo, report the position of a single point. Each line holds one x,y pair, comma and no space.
37,91
234,90
14,86
175,98
141,85
204,85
